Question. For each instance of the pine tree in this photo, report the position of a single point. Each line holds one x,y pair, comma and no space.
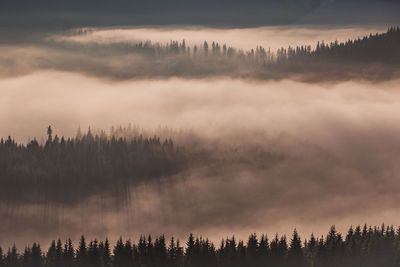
51,255
49,135
252,249
142,249
93,255
68,253
119,253
263,251
149,251
283,249
36,255
1,257
27,257
106,254
12,257
59,253
81,253
295,253
172,259
311,250
205,46
190,250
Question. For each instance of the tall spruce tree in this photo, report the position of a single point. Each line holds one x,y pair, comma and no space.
295,253
81,253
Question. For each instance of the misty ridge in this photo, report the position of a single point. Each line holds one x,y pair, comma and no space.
360,246
371,58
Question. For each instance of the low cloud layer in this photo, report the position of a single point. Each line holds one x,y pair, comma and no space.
337,145
283,153
273,37
123,54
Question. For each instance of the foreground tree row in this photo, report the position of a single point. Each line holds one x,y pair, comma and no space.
361,246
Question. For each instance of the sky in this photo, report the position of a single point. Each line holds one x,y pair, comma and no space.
223,13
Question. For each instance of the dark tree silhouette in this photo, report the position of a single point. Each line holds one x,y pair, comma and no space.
69,170
366,246
295,253
372,57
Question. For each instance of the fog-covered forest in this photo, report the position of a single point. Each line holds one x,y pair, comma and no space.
361,246
376,48
67,170
70,170
370,58
137,122
97,163
250,116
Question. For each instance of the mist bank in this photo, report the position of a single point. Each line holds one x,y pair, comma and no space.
372,57
337,145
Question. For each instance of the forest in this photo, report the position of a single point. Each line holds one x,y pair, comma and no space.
359,247
85,165
372,58
379,48
331,61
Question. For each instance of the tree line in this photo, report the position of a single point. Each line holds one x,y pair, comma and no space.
361,246
382,47
324,61
67,169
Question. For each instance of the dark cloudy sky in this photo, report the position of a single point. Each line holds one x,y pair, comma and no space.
221,13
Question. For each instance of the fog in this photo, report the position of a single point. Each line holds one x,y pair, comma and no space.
337,144
273,37
285,153
64,100
121,54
